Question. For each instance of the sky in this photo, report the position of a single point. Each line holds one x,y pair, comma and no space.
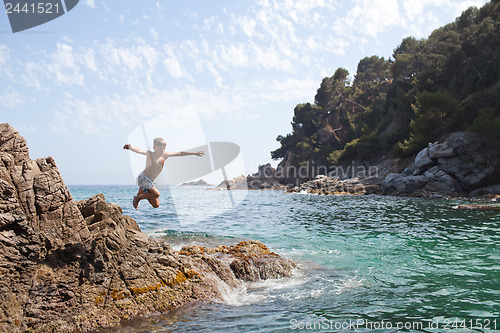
81,86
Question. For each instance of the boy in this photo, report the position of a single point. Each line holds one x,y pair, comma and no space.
154,164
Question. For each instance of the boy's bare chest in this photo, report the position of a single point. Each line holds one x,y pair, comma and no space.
155,161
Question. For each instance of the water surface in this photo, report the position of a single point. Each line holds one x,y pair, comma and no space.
411,263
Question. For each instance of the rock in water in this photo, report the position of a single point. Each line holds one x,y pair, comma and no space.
76,266
462,164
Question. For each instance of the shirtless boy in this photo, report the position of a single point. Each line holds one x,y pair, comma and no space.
154,165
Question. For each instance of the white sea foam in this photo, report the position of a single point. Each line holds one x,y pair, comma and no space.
348,284
263,291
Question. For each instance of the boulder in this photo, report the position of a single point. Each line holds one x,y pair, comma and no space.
422,159
400,184
474,164
440,183
493,190
437,150
457,166
433,182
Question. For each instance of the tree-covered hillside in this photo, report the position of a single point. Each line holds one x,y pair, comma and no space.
430,87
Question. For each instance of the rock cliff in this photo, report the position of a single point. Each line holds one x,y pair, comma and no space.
462,164
77,266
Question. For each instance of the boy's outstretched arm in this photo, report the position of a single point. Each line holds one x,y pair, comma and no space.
128,146
184,153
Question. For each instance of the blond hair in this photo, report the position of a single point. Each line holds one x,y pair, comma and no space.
159,142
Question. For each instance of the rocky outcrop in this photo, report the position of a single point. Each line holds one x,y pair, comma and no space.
76,266
462,164
199,182
266,178
334,186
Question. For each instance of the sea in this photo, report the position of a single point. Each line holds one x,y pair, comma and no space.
364,263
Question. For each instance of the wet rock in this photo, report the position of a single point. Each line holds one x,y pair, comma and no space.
492,207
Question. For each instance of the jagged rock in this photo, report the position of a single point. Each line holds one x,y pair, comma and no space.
69,266
437,150
492,190
408,172
399,184
266,178
422,159
325,185
457,166
432,182
474,164
238,183
440,183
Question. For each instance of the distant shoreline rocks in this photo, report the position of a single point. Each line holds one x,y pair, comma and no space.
199,182
460,165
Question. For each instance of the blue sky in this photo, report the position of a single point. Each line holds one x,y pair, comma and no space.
77,87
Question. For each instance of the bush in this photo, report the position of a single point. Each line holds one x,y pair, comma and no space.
487,125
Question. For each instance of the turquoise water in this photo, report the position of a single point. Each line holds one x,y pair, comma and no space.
366,263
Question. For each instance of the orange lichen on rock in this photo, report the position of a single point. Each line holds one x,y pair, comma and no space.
146,289
179,278
250,249
192,250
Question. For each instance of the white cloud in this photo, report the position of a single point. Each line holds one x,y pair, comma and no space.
4,55
153,33
370,18
90,3
89,59
107,114
31,75
458,7
235,55
171,62
63,66
173,67
270,58
11,99
130,58
247,25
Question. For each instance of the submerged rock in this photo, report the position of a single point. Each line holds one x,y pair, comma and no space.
77,266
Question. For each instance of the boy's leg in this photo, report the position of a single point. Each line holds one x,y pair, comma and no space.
138,198
151,195
155,202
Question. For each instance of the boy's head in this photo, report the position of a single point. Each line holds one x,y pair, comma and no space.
159,142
